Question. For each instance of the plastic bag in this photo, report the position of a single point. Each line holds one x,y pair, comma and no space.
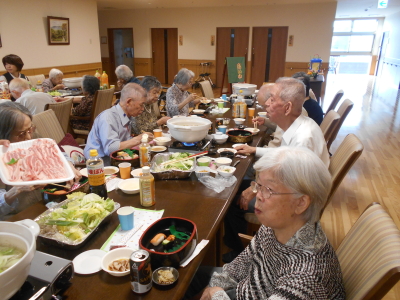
219,183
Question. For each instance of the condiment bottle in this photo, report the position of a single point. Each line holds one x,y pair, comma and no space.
104,80
97,75
95,169
144,151
147,188
243,106
39,86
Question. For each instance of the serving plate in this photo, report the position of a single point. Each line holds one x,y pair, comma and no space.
70,244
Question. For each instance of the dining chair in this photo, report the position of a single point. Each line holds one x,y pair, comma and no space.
335,101
369,255
206,89
343,159
329,123
102,101
48,125
33,79
343,111
62,111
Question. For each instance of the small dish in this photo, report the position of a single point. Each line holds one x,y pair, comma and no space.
262,114
226,149
162,141
110,170
130,186
253,130
220,138
222,161
156,280
226,171
88,262
119,253
202,171
239,121
198,111
158,148
136,173
204,161
205,101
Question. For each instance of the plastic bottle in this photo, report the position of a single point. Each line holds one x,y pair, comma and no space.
104,80
97,180
97,75
144,151
147,188
243,106
39,87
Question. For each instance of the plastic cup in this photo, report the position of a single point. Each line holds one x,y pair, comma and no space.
220,104
125,216
203,161
222,128
251,112
157,133
224,96
125,170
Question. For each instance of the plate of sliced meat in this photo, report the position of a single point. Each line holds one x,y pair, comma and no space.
34,162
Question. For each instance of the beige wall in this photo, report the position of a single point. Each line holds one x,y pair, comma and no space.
311,25
392,24
23,28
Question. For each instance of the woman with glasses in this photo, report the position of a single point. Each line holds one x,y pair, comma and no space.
16,126
149,118
290,256
178,98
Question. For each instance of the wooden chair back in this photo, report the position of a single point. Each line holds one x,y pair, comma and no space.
335,101
329,123
62,111
48,125
369,255
33,79
343,111
343,159
206,89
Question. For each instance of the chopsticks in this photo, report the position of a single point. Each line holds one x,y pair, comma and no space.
182,159
254,123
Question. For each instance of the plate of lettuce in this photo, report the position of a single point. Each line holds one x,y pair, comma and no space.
73,221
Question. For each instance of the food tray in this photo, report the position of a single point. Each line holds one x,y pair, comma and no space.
170,174
4,175
67,244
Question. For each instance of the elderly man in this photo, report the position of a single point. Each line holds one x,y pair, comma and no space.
33,101
111,130
124,76
284,107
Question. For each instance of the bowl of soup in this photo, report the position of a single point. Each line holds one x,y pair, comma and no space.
18,238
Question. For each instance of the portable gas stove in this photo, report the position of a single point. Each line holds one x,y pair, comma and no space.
194,148
48,277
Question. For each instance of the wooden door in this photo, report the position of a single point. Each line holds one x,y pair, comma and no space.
231,42
268,55
164,43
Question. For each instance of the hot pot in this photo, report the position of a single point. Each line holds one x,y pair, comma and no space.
247,88
159,258
23,235
72,82
240,136
188,129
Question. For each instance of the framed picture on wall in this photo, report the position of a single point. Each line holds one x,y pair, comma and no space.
58,30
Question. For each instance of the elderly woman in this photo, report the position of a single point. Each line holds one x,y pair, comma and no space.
16,126
54,82
90,85
124,76
290,256
149,118
178,97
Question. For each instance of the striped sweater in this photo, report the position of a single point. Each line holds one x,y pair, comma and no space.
306,267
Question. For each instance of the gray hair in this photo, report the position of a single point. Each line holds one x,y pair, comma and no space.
124,72
150,82
291,89
54,73
90,84
19,85
11,114
183,77
132,90
302,171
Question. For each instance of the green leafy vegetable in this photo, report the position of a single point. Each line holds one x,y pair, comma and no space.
180,165
9,256
12,161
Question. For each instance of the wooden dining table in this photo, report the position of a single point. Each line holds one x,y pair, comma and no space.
185,198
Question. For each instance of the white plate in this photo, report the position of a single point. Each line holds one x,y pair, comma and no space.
88,262
4,175
158,148
107,171
226,149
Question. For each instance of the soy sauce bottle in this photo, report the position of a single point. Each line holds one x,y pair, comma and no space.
97,179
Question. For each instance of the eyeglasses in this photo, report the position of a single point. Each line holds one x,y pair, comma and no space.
266,192
22,134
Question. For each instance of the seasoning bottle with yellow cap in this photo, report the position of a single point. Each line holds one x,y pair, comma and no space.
95,169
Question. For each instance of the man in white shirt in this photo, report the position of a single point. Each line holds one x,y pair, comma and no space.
33,101
284,107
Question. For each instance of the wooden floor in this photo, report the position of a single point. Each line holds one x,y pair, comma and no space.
375,177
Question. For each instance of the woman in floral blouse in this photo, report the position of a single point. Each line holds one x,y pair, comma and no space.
149,118
90,85
178,97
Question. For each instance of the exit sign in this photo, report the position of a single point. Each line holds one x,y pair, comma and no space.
382,3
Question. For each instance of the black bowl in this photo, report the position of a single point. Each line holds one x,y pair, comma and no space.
229,154
159,258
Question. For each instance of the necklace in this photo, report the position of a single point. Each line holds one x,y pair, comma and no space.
147,109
